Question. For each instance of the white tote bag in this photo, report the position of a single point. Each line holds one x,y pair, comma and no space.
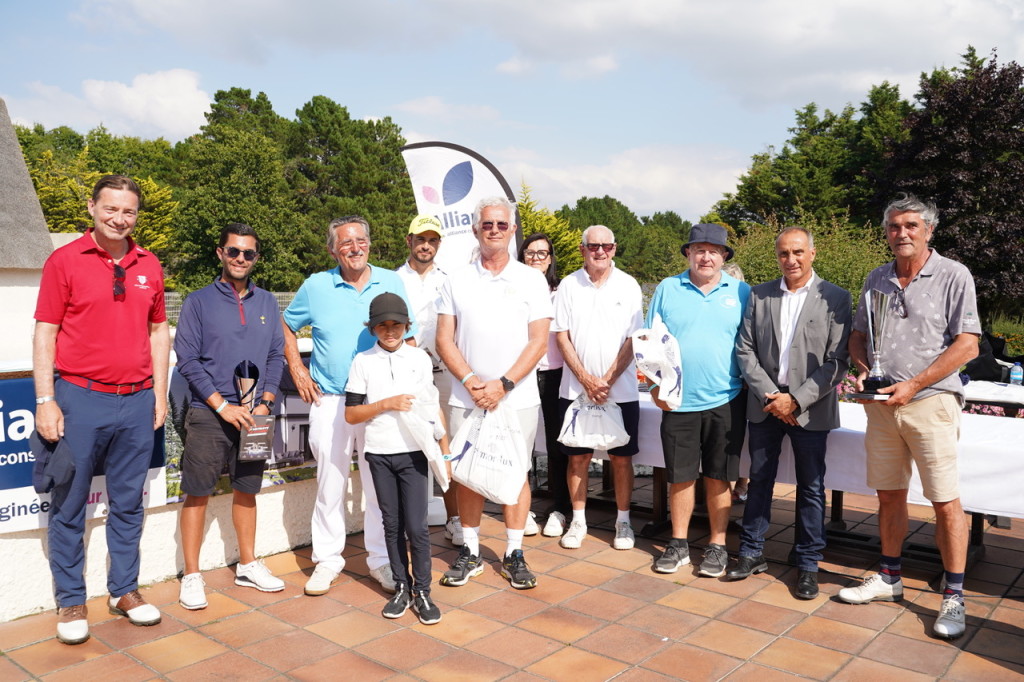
595,427
656,353
489,455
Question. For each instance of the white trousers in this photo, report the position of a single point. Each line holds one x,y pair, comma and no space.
333,440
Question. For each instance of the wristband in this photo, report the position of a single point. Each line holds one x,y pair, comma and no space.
44,399
466,378
222,406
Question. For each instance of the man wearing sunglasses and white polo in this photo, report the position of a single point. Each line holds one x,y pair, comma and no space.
492,329
226,323
100,321
597,308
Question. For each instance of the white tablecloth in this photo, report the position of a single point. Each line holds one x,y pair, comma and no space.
991,458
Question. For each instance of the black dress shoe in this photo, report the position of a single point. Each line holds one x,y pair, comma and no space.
807,585
746,566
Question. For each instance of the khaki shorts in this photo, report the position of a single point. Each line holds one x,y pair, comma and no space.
925,431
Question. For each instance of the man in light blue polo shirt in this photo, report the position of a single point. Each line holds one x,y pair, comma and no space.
702,308
336,304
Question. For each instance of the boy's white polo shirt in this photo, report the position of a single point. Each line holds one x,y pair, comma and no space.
380,374
599,320
493,314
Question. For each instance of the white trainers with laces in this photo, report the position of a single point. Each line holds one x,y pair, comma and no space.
950,623
192,593
321,580
573,538
257,575
874,588
453,531
624,538
555,525
531,525
382,574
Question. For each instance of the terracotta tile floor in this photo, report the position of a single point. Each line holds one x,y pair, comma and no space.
597,614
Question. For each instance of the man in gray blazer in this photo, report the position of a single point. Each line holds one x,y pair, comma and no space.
792,354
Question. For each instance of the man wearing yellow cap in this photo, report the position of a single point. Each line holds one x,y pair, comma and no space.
423,280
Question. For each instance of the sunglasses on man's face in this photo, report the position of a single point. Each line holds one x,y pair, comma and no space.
594,248
491,225
233,252
119,275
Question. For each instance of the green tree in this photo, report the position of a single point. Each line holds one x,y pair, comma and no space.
965,151
343,166
564,239
63,190
236,175
132,156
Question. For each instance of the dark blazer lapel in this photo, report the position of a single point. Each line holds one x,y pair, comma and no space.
813,302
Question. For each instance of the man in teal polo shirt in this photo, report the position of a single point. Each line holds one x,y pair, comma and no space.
336,304
702,308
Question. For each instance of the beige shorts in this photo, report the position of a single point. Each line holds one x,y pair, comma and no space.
926,432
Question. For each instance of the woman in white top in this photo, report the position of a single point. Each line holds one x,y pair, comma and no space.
537,252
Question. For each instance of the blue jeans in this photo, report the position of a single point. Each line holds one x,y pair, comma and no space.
765,445
116,433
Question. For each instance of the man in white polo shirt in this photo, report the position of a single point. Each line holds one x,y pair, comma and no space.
597,308
423,280
492,329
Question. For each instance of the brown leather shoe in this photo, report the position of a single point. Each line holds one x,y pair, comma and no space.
72,626
135,608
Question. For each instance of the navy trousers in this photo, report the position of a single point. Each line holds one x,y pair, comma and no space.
115,432
765,445
401,484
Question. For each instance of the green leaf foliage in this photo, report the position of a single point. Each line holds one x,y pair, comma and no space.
565,239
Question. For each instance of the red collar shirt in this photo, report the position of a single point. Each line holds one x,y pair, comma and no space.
101,338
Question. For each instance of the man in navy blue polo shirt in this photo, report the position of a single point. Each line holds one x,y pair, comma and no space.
229,322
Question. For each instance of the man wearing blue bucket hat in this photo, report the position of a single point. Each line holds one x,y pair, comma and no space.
702,308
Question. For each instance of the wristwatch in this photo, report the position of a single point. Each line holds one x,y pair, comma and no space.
507,384
268,403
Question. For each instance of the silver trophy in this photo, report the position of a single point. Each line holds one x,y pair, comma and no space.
247,375
879,309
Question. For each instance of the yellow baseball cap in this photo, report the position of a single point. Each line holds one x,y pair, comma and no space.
425,223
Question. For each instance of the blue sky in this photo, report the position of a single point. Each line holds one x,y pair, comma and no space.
659,103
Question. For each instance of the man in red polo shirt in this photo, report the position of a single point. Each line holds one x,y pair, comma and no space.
100,321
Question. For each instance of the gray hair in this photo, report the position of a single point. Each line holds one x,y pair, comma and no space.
586,232
796,228
509,207
733,270
909,203
332,229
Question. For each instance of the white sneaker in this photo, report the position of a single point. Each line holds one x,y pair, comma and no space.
321,580
573,537
555,525
72,626
950,623
382,574
531,525
453,531
624,538
874,588
192,593
259,576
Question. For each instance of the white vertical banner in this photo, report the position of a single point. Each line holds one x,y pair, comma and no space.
448,181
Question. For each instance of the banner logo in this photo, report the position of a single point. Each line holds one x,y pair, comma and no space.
458,182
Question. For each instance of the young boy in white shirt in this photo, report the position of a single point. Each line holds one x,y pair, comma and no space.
384,381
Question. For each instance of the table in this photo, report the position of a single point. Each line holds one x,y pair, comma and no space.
991,458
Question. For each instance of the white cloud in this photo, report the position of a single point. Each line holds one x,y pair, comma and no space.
167,104
435,107
685,179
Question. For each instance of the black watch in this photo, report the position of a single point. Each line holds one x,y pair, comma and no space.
268,403
507,384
